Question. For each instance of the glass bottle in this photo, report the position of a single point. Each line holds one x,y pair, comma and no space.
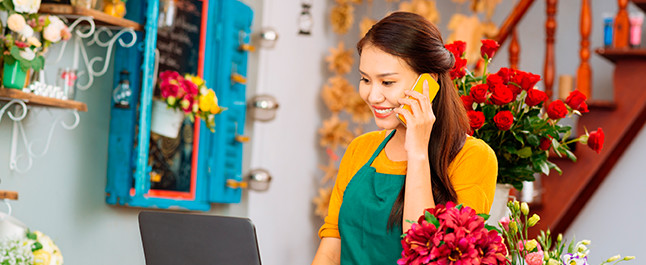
122,92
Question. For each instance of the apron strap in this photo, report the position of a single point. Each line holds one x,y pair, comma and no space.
381,147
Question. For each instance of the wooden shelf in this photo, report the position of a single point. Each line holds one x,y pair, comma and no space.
33,99
614,55
100,18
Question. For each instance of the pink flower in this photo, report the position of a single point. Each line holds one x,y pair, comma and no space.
168,74
534,258
504,221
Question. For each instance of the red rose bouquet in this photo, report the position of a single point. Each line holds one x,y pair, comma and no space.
506,111
452,235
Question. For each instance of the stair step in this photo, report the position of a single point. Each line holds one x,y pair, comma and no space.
566,195
614,55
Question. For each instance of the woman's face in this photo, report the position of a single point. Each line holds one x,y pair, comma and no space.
384,78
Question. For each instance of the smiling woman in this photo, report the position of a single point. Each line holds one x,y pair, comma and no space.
389,176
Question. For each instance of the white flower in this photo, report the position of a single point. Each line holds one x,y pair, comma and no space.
28,54
26,31
16,22
34,41
53,31
26,6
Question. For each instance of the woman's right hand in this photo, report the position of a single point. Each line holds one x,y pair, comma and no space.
329,252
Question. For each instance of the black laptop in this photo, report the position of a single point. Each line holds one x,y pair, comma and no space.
186,239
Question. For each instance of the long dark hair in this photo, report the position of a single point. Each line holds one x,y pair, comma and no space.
418,42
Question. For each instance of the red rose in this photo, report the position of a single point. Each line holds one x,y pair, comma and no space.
526,80
546,143
501,95
493,80
535,97
458,69
21,44
457,48
479,93
557,110
506,74
514,89
467,101
583,108
575,99
488,48
476,119
595,140
504,120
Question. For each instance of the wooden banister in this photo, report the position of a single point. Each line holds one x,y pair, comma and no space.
550,30
584,73
512,20
514,50
621,28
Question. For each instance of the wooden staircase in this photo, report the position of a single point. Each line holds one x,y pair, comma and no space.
564,196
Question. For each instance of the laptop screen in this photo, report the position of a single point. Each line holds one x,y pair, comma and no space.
180,238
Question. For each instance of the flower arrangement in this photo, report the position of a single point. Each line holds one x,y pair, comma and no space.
455,234
27,28
539,251
35,248
452,235
506,111
190,94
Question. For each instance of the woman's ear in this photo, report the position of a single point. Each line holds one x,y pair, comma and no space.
435,76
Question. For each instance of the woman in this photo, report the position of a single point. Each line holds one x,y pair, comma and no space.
390,176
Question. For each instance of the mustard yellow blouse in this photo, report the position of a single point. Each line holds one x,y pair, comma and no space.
473,174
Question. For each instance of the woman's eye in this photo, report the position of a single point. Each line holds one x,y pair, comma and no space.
363,80
387,83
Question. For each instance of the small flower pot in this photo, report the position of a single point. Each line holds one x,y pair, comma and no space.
165,121
13,76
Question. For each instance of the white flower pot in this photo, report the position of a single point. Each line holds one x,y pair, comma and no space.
499,206
165,121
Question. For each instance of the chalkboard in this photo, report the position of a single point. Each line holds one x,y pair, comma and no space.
179,44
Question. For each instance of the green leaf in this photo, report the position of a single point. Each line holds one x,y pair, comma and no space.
31,235
484,215
36,246
432,219
570,155
525,152
459,206
8,5
533,140
490,227
555,167
518,137
570,247
545,168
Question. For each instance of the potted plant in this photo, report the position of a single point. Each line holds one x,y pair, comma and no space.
506,111
182,96
22,46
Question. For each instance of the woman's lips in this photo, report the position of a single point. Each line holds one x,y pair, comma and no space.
382,112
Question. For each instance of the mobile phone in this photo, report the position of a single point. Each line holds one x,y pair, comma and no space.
433,87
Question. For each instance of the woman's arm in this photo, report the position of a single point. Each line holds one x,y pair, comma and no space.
329,252
418,191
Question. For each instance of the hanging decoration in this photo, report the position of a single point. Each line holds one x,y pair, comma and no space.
305,21
425,8
342,18
340,60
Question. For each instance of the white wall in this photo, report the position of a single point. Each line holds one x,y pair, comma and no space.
288,147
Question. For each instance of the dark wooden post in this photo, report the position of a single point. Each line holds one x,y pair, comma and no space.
621,29
550,30
584,73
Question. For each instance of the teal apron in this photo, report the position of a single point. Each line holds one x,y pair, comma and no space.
363,217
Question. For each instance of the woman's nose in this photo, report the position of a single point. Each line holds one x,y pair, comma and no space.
376,94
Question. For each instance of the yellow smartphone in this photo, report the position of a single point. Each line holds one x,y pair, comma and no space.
433,87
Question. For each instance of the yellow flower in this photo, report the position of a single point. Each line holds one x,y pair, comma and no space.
42,257
209,103
613,258
533,220
524,208
198,81
531,245
33,41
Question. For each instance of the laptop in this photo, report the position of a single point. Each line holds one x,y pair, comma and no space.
186,239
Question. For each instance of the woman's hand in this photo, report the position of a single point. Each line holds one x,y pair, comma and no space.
419,123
